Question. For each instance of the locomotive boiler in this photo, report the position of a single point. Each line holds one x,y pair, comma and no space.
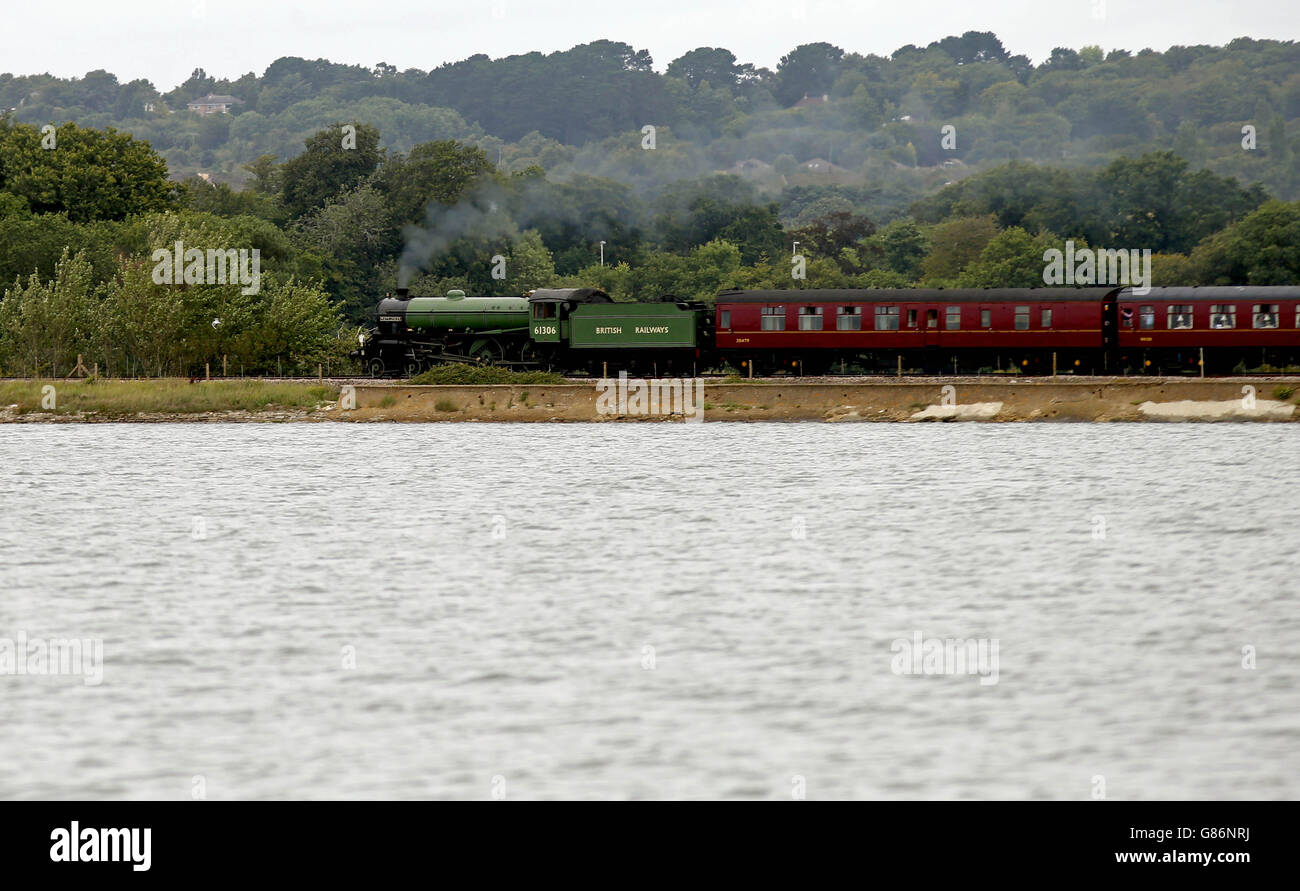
413,333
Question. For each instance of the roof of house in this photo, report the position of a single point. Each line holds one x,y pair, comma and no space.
812,100
213,99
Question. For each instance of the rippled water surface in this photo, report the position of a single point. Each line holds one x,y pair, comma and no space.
651,610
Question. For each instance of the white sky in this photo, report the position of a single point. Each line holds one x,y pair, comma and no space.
165,41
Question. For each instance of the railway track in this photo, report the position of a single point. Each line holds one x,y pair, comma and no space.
834,378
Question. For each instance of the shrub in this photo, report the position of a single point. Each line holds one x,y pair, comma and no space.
484,374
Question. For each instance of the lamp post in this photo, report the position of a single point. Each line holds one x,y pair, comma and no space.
602,254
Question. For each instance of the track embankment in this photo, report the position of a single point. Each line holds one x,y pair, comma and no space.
909,400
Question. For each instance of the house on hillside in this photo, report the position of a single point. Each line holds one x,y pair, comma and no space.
821,165
749,167
812,100
214,104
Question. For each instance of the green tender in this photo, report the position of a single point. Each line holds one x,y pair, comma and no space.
631,326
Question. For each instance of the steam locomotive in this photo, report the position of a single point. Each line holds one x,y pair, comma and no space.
1025,330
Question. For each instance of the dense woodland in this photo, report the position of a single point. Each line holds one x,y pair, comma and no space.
955,164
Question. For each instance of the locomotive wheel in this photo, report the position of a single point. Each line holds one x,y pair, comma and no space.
489,353
413,367
375,368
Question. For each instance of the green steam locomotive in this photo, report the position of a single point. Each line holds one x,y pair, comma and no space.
568,329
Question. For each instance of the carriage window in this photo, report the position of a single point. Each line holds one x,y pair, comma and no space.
886,318
724,318
849,318
1047,318
1126,316
911,318
1022,318
932,318
810,318
986,318
1180,315
773,318
1223,315
1265,315
1146,317
952,320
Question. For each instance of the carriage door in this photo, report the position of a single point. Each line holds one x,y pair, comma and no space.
1110,321
930,325
913,322
1110,333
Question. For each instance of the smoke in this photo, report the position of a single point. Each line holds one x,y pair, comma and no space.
480,215
488,219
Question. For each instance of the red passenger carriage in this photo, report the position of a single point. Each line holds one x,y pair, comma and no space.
1035,330
813,331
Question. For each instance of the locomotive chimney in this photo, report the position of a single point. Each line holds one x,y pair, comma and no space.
403,293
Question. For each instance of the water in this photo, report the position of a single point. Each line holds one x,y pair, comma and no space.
651,610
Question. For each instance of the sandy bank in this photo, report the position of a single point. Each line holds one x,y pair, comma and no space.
917,400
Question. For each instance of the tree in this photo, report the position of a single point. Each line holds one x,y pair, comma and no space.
354,235
807,70
712,65
265,175
973,46
84,173
956,244
1152,202
295,325
335,159
1013,259
1261,249
1062,59
442,171
899,247
44,325
830,234
528,265
718,207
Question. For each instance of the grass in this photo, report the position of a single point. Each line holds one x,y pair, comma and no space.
446,405
1284,393
484,374
165,395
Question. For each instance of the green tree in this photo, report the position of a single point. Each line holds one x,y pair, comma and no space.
954,245
1261,249
899,247
712,65
44,325
335,159
439,172
1012,259
528,265
807,70
84,173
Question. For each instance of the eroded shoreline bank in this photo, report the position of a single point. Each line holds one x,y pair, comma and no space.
826,399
